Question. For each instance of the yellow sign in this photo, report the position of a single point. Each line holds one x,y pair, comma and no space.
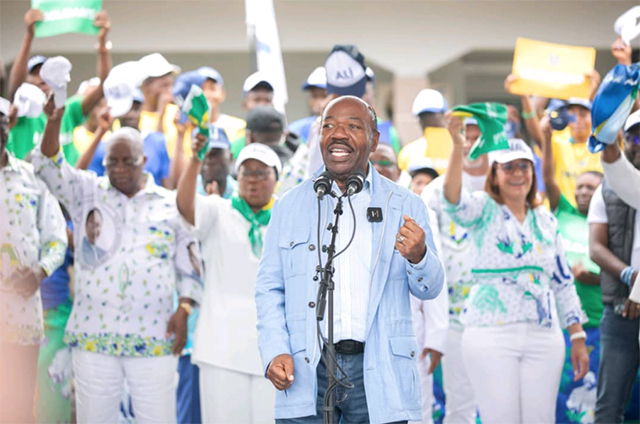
439,147
552,70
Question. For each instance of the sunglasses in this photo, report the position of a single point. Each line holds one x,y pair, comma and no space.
510,167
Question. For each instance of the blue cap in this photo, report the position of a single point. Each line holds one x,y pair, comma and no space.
184,81
345,68
210,73
35,61
585,103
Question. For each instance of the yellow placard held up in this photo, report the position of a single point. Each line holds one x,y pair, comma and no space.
439,147
552,70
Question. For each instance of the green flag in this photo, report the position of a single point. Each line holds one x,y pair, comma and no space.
196,107
63,16
491,119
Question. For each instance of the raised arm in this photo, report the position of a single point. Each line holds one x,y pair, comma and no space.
548,167
453,177
19,71
186,195
103,63
104,123
621,175
51,138
177,164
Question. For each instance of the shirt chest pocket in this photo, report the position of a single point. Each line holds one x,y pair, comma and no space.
296,250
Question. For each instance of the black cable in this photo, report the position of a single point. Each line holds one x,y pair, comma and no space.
353,233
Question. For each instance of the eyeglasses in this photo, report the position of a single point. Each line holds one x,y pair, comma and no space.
126,163
384,163
261,175
632,139
510,167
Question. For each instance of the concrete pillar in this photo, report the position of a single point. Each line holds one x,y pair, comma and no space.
405,90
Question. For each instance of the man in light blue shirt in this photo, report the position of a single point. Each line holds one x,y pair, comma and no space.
388,258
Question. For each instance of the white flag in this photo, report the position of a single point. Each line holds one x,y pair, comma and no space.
261,18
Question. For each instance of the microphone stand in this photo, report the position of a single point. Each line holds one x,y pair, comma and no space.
327,287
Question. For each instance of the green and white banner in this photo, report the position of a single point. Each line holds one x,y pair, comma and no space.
64,16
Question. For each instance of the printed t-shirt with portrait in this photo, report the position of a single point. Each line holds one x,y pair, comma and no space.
131,255
33,235
27,133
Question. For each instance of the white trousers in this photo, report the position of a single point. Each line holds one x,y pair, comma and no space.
515,371
228,397
99,382
460,407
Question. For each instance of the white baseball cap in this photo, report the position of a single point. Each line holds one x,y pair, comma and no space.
518,149
56,73
254,80
29,100
155,65
317,78
429,100
632,120
86,84
120,87
262,153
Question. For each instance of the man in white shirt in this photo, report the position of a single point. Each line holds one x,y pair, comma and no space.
232,384
123,326
614,235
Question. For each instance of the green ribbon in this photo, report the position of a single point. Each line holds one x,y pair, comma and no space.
257,220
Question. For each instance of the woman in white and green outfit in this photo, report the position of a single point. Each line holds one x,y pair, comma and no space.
512,346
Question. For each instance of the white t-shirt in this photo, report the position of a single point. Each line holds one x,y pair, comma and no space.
598,215
226,334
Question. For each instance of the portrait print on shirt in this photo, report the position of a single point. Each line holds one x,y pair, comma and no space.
98,237
190,259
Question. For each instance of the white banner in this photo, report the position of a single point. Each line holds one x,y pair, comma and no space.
261,20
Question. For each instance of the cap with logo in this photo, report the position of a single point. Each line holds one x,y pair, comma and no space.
518,149
155,65
317,78
121,87
256,80
55,72
429,100
346,71
260,152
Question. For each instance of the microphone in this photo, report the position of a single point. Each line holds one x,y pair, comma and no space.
355,182
322,184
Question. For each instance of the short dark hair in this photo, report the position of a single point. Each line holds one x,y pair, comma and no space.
215,167
427,171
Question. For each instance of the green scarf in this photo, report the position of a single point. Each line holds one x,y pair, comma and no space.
257,220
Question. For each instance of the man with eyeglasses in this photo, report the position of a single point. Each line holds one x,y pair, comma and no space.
123,325
614,226
231,231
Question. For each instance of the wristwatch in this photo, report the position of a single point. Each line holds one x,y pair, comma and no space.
187,307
